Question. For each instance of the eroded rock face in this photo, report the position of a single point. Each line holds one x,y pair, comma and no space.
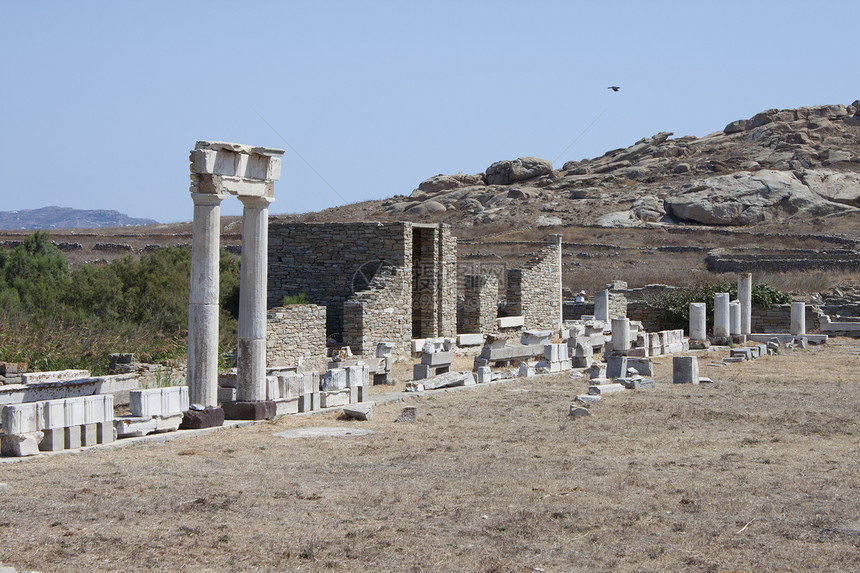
746,198
507,172
840,187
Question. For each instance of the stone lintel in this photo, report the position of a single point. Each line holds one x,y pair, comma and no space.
245,164
238,148
219,184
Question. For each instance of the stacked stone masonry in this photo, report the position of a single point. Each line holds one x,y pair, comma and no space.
378,281
480,304
296,333
534,292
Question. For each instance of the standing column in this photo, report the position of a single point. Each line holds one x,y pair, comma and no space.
620,335
798,318
721,315
251,360
698,321
745,296
202,377
734,318
601,305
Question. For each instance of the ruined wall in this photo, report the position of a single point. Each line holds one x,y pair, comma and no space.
293,332
535,290
359,269
480,304
377,314
448,283
332,261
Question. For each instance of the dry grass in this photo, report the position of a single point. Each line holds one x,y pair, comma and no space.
758,471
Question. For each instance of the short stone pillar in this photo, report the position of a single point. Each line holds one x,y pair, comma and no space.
721,315
620,335
798,318
685,370
203,308
698,321
735,318
601,305
251,359
745,298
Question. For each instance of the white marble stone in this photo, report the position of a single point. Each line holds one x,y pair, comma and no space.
745,298
203,307
734,318
721,315
798,318
620,334
601,305
698,321
251,360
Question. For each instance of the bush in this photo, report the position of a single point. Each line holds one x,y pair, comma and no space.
301,298
54,320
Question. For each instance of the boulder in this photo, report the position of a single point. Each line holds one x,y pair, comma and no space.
618,219
545,221
442,182
507,172
745,198
426,208
837,186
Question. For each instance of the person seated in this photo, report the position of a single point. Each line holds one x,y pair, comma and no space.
580,297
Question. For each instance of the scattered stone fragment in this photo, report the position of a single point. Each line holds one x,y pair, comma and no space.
578,411
703,380
407,414
685,370
588,398
601,389
360,411
206,418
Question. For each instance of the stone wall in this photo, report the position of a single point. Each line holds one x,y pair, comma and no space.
337,263
377,314
296,332
777,318
480,304
534,292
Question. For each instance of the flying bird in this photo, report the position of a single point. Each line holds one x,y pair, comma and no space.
614,88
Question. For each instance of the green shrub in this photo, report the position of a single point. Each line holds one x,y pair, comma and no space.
54,319
301,298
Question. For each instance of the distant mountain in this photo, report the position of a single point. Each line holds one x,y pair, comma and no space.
67,218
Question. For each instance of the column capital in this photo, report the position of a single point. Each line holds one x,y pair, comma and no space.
208,198
255,201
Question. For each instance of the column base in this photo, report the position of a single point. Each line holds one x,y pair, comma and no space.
258,410
199,419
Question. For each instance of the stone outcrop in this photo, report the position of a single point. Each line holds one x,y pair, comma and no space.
775,166
746,198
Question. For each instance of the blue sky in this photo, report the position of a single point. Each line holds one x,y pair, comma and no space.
101,101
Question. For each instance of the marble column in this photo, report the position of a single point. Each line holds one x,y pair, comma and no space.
203,309
798,318
601,305
721,315
620,335
251,360
734,318
745,297
698,321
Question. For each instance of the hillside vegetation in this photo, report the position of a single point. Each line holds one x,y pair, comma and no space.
54,318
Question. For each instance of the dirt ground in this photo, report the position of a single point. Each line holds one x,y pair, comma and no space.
758,471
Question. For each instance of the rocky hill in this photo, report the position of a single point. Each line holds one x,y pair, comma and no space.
67,218
778,166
